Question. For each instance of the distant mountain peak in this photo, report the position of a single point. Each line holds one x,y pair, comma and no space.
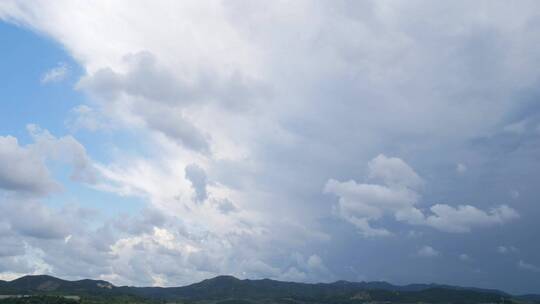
226,277
38,282
222,279
37,277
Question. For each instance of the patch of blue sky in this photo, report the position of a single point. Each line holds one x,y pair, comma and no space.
26,57
110,145
26,99
108,204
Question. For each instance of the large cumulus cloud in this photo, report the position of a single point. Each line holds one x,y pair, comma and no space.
277,100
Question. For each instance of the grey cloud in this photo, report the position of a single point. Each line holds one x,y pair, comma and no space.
433,82
144,79
529,267
68,246
66,149
78,257
15,264
156,96
225,206
11,246
178,128
159,97
44,224
144,222
197,176
23,169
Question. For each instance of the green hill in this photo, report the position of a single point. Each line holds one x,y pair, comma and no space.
47,284
230,290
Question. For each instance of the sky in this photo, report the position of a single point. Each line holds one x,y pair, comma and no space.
159,143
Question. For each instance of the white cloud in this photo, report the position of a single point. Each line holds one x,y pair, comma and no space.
427,252
85,117
393,172
529,267
517,128
64,149
305,269
23,169
464,217
514,194
362,204
315,263
461,168
464,257
506,249
55,74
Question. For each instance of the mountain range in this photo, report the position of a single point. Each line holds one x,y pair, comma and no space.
228,288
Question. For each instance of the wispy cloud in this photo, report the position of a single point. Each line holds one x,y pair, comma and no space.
55,74
464,257
506,249
526,266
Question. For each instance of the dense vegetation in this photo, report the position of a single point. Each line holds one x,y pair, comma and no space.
48,299
230,290
38,300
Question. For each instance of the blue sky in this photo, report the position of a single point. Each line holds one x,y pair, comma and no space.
27,56
311,142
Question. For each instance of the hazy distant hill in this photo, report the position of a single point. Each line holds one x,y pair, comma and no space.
531,297
233,290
